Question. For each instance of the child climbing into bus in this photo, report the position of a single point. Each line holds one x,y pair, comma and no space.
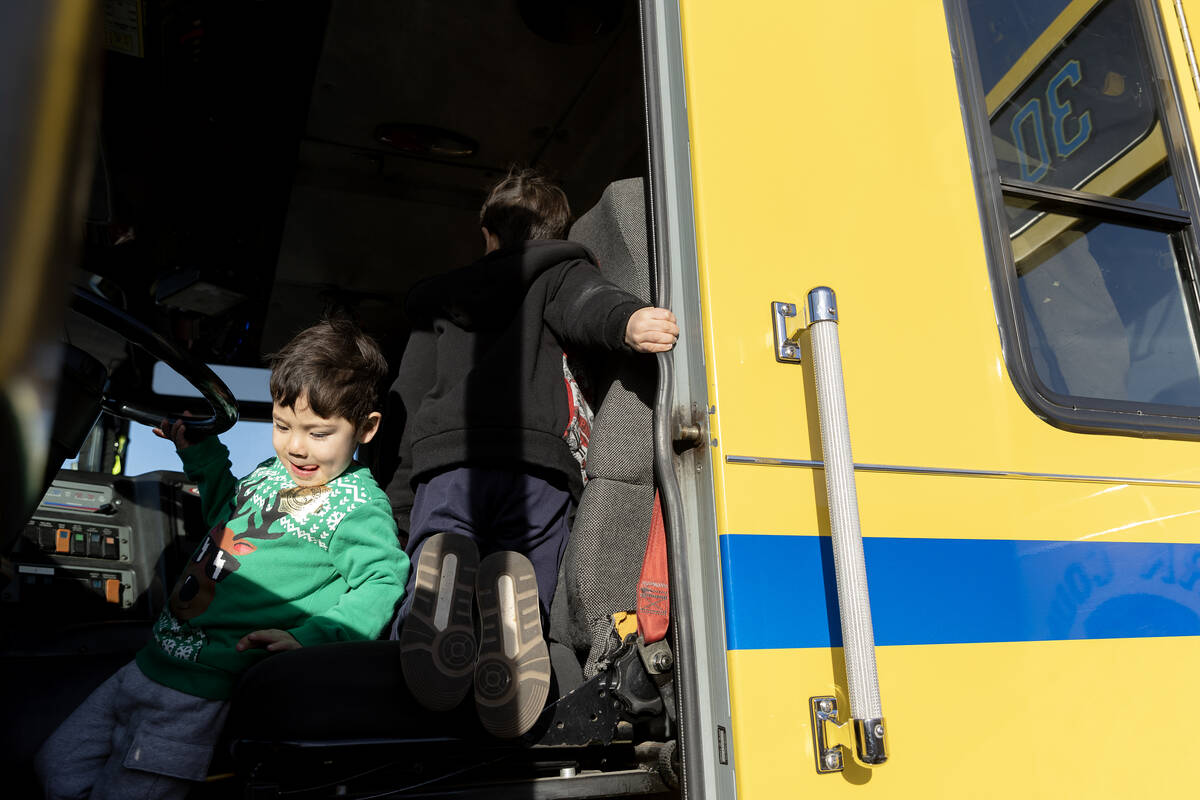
301,551
483,464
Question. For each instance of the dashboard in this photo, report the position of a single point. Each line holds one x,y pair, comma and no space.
100,548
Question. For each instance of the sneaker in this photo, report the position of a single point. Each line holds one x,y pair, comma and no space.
512,675
437,645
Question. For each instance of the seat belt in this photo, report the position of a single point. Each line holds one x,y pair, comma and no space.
654,593
654,613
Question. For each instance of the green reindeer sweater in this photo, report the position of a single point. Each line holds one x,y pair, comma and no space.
322,563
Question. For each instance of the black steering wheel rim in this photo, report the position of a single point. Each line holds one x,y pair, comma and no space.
194,371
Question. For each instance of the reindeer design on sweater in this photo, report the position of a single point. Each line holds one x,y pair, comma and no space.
220,554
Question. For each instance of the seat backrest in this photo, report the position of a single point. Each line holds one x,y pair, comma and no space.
603,561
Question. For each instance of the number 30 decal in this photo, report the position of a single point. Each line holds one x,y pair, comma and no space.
1060,115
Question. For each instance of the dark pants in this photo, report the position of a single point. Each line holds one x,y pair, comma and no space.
499,510
132,738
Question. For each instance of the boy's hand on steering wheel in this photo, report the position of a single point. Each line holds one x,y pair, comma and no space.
176,431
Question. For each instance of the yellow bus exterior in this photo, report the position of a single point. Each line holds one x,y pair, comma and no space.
828,148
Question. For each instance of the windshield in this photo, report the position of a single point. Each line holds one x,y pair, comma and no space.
249,441
249,445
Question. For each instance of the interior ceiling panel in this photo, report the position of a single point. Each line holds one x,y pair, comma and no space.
371,220
473,68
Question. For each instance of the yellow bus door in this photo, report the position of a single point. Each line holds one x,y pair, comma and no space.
1003,197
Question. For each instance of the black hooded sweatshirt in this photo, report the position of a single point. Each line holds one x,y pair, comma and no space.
481,380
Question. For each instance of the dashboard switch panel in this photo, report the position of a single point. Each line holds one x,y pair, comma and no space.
78,540
47,584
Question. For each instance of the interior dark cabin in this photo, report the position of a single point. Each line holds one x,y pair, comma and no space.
255,166
266,162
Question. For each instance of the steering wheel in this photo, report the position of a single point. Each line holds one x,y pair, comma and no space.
194,371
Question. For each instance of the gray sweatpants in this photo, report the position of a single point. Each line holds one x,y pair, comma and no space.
131,739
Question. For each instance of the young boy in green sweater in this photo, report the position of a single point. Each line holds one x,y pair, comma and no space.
302,551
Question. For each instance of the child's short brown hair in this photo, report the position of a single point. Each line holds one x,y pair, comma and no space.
336,365
524,204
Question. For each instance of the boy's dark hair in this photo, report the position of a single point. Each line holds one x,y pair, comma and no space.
525,205
338,366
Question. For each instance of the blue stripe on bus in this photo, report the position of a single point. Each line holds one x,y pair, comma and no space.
780,590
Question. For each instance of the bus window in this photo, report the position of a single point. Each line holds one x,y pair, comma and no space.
1106,303
1089,208
1078,98
249,445
249,441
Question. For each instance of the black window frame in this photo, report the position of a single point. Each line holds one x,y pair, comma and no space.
1082,414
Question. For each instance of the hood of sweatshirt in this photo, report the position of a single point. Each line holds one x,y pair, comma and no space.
487,292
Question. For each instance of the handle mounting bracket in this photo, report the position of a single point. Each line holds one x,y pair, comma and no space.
787,346
833,741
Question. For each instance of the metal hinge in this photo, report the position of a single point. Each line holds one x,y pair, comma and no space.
691,431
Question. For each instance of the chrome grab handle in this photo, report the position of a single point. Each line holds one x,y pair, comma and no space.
849,563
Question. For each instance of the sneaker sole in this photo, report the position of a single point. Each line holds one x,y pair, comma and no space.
512,676
437,645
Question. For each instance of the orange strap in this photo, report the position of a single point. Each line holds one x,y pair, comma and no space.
654,596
